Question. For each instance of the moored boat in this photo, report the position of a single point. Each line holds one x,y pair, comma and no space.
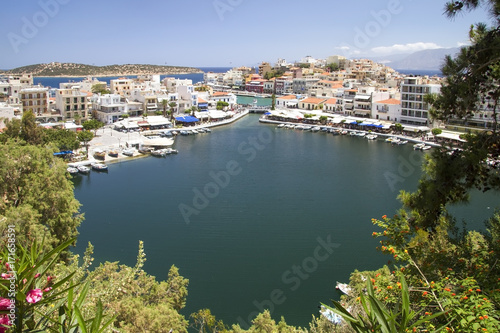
418,146
100,155
128,152
371,136
361,134
72,170
113,153
99,167
83,169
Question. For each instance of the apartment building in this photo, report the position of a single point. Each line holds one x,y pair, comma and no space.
35,99
283,85
72,103
302,85
414,111
121,86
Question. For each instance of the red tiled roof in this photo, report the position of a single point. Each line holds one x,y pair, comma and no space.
220,93
288,97
313,100
331,101
389,101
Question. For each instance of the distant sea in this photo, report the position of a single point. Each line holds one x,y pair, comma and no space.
53,82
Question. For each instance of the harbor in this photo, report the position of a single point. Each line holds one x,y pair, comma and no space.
294,186
113,146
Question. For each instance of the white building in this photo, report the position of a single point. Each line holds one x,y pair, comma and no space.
388,109
6,112
122,86
229,98
84,85
288,101
72,103
109,108
414,111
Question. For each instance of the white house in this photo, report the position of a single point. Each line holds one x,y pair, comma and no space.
6,112
288,101
229,98
108,108
388,109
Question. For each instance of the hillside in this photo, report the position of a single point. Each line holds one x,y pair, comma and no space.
72,69
423,60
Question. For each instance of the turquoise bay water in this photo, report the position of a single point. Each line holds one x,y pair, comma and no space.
255,217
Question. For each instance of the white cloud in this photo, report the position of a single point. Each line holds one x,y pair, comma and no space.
404,48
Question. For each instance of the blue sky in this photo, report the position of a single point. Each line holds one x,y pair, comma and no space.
203,33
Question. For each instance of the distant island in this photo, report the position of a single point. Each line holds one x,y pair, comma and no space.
72,69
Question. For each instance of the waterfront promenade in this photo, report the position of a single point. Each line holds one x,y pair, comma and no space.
108,139
380,134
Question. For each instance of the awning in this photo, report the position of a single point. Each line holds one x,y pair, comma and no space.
416,128
187,119
67,152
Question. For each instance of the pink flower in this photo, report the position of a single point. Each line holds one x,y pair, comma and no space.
4,320
49,278
4,303
6,276
37,275
34,296
47,289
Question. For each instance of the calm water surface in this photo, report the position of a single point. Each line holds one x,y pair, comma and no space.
271,201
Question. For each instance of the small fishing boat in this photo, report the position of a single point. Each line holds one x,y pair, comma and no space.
344,287
371,136
72,170
280,126
159,153
100,155
361,134
418,146
144,150
113,153
99,167
402,142
128,152
83,169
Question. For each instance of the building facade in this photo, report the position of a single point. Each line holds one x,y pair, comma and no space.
414,110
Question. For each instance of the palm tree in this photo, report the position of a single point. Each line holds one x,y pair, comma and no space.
172,106
77,118
164,103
